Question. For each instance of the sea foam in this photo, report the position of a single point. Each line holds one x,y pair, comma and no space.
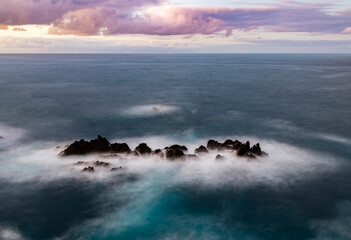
150,110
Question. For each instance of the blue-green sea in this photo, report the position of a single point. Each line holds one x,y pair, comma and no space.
298,107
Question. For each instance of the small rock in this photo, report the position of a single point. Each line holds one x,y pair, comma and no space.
174,154
157,151
191,156
116,169
81,163
201,149
219,157
88,169
214,145
101,164
143,149
176,146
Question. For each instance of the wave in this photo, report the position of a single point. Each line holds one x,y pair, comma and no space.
150,110
289,126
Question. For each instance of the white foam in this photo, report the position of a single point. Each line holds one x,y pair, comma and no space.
150,110
285,163
10,234
10,135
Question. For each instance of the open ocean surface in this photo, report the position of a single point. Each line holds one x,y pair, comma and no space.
297,106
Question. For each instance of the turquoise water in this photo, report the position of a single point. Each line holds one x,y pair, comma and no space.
297,106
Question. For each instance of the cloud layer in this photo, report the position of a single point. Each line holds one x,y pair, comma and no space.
156,17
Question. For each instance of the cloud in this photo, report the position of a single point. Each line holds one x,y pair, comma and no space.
4,27
347,31
156,17
174,20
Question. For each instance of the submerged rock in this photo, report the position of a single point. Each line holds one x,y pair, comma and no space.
201,149
79,163
101,164
88,169
219,157
116,169
190,156
143,149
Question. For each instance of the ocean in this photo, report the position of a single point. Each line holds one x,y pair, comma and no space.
297,106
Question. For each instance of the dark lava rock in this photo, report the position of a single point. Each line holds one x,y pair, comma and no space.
79,163
256,149
242,151
214,145
88,169
157,151
227,145
176,146
233,145
201,149
247,146
120,148
173,154
219,157
101,164
81,147
143,149
116,169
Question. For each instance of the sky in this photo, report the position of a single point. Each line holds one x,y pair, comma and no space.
175,26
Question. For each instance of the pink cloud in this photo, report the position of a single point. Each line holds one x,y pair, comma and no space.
153,17
347,31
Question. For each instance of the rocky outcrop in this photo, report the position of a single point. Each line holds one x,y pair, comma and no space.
82,147
99,145
201,149
143,149
227,145
190,156
174,152
242,149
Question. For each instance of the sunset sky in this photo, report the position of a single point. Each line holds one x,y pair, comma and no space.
175,26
